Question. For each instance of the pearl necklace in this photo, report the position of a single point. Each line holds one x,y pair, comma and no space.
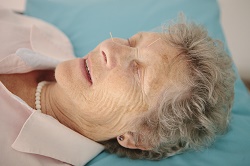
38,94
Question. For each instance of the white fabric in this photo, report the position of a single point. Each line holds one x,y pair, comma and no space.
29,137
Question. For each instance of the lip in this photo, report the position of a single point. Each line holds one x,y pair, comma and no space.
83,65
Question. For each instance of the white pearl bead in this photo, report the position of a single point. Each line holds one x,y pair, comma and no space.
38,106
38,95
37,102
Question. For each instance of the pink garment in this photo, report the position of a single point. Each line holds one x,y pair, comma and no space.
29,137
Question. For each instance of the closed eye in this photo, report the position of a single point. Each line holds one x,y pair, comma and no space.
136,69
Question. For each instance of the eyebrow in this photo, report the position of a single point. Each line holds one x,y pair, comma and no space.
135,38
139,36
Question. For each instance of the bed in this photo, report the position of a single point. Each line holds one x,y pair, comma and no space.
87,23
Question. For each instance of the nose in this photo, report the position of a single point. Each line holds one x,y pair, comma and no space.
116,53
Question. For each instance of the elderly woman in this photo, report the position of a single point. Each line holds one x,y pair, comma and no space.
150,96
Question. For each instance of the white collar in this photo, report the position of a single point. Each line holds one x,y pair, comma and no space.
41,134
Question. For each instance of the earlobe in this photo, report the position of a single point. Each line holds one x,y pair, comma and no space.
127,141
120,138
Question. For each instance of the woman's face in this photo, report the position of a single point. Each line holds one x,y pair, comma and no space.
117,81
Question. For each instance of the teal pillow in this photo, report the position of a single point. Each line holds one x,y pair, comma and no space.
87,23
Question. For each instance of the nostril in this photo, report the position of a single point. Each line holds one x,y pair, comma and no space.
104,56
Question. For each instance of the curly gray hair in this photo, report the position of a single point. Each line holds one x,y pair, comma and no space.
191,113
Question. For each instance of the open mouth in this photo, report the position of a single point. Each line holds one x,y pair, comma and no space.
87,69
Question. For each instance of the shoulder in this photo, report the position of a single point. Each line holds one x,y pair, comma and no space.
20,31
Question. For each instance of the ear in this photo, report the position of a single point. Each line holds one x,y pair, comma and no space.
127,141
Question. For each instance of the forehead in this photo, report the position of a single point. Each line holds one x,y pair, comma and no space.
157,53
144,38
157,44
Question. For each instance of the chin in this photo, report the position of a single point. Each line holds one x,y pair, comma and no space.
68,77
66,74
62,73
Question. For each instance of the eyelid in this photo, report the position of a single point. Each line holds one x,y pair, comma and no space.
136,65
137,69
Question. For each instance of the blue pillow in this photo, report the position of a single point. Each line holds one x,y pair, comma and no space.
87,23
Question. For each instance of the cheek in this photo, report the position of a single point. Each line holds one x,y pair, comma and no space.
113,91
67,72
116,83
115,98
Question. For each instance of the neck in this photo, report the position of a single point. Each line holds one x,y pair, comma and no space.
24,85
55,104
